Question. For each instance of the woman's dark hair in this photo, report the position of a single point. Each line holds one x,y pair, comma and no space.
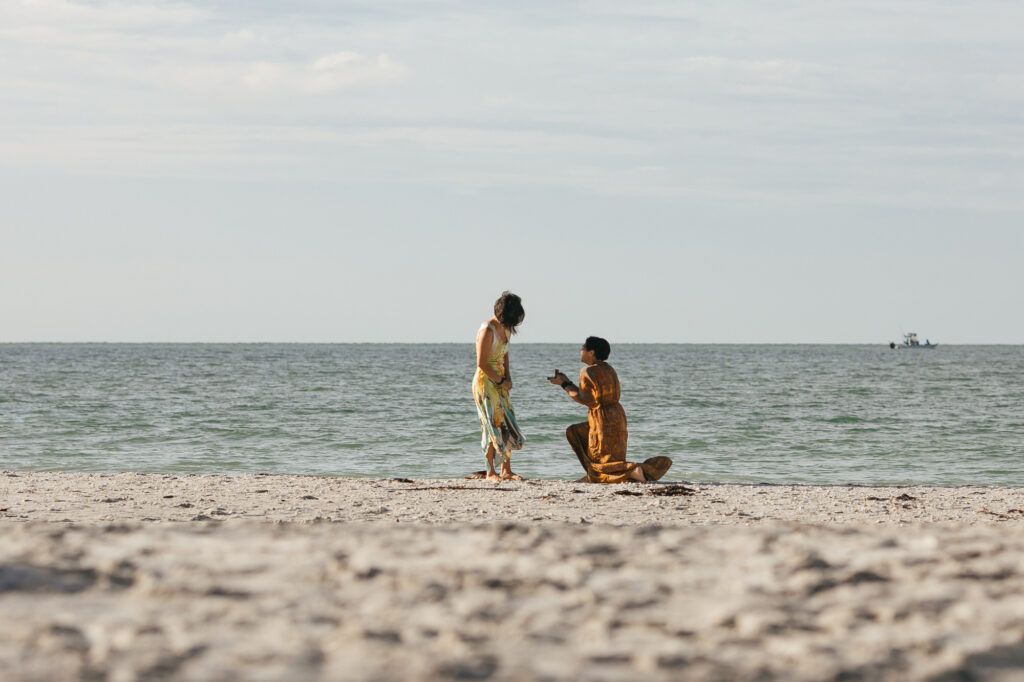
509,311
602,349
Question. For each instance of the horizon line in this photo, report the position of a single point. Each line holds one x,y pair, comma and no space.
524,343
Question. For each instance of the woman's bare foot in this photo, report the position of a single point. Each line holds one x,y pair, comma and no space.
506,472
637,474
491,474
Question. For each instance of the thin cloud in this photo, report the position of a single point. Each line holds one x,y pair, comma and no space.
327,74
755,75
183,46
36,16
795,102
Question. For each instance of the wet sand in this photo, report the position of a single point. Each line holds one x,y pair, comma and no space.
132,576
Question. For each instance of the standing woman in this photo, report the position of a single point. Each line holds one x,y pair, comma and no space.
491,384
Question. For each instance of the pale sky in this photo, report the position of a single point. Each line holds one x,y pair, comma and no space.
806,172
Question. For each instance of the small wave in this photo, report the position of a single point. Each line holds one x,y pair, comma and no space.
844,419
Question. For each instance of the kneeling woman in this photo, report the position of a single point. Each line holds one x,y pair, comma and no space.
600,442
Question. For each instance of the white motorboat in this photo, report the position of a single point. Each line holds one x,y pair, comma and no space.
911,342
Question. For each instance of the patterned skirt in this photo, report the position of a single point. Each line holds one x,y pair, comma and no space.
498,425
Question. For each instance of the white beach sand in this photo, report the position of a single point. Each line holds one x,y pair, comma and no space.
143,577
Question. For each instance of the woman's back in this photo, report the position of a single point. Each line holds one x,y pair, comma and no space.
498,349
603,383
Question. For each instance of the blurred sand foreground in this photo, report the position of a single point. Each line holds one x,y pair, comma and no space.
147,577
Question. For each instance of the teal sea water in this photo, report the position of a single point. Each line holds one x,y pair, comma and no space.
744,413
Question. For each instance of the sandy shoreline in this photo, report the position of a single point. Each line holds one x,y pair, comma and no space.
133,576
149,498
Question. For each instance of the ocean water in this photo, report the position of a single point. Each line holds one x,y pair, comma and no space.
744,413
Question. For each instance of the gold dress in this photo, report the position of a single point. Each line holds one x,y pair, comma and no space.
600,442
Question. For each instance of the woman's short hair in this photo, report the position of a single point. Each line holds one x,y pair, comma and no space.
602,349
509,311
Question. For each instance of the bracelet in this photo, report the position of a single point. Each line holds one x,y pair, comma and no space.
566,383
499,383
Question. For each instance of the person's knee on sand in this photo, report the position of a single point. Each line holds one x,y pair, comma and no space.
578,435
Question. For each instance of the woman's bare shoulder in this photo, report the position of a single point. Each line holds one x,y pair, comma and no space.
485,331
